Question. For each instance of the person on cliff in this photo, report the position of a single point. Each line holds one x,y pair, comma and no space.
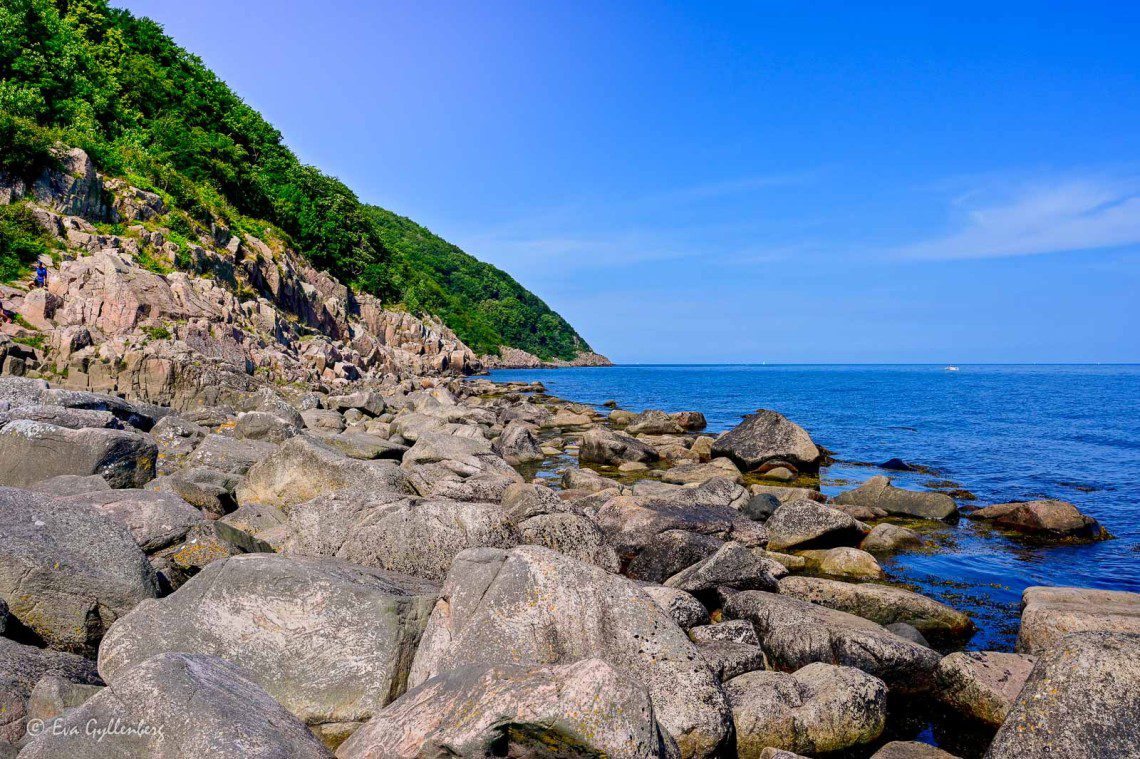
41,275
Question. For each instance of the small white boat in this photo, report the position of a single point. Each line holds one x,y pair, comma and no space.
951,368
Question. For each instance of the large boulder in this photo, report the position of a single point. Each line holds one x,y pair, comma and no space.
803,523
1047,519
886,538
982,684
817,709
464,469
229,455
768,436
585,708
67,572
878,492
518,444
604,446
732,566
534,606
142,416
843,561
1079,701
34,451
683,608
883,604
392,531
1049,614
60,416
654,422
179,705
156,520
331,641
21,667
304,468
910,750
633,523
795,633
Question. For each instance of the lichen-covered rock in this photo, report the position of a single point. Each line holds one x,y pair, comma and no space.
34,451
816,709
304,468
889,538
845,562
803,523
982,684
1079,701
179,705
795,633
463,469
732,566
1049,614
229,455
883,604
878,492
1048,519
683,608
911,750
67,572
156,520
331,641
392,531
767,436
603,446
21,667
518,444
583,708
535,606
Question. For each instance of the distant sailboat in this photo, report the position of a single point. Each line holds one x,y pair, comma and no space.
951,368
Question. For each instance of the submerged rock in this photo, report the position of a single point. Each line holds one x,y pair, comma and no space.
878,492
1049,519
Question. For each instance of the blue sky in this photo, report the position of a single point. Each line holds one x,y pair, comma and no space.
781,182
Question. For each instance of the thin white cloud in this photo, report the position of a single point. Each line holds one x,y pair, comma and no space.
1065,215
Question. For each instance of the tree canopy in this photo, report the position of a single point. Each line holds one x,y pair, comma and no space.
80,73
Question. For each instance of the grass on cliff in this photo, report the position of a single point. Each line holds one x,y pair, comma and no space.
81,73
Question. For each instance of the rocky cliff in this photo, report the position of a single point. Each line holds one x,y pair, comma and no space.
134,308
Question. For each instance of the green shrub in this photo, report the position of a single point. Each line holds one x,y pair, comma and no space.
22,240
81,73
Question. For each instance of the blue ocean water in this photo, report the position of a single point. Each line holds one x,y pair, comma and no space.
1003,433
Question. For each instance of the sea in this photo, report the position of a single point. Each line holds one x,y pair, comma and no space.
992,433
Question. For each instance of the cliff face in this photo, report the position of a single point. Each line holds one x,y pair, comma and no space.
130,310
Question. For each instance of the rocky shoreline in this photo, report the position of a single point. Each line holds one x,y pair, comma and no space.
420,565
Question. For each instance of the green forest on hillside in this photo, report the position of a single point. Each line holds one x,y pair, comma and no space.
80,73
